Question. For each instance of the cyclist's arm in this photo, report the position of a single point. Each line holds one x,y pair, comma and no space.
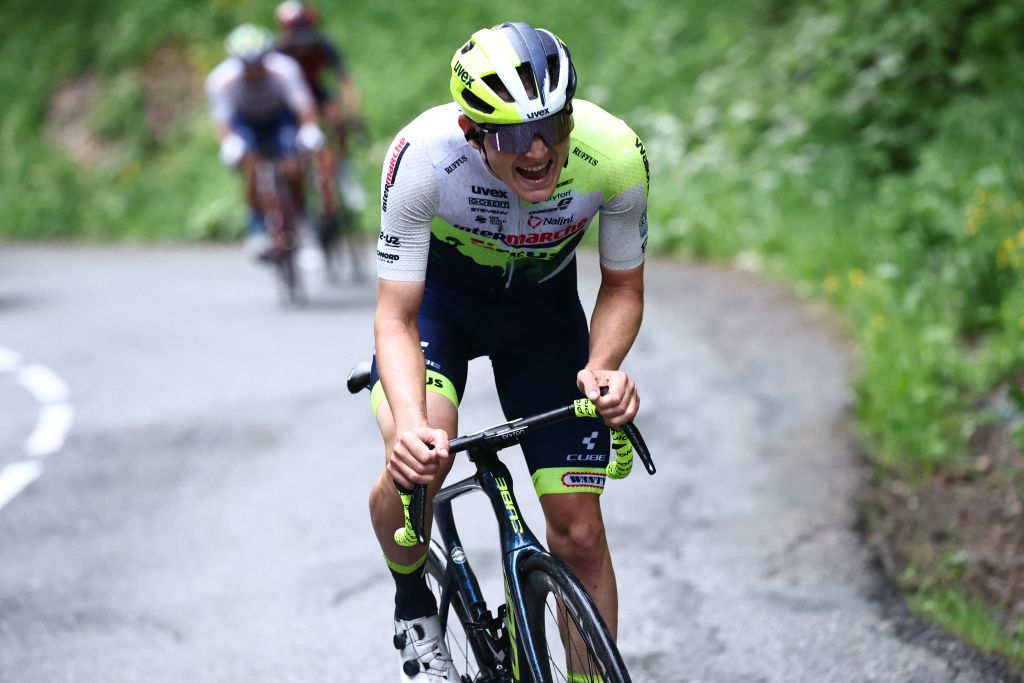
219,97
399,358
295,89
348,93
616,318
618,311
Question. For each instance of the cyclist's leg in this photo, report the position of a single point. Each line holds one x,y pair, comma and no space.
446,356
287,151
566,460
255,225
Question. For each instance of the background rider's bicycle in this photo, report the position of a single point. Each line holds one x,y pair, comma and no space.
548,630
280,216
339,201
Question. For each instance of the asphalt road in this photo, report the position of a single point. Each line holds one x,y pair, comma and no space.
183,484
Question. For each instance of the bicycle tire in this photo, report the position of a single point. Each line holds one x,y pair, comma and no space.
463,651
549,587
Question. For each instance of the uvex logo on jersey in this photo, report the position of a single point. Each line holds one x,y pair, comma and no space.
578,479
389,179
490,191
463,75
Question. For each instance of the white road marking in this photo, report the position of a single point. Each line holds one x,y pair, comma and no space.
51,430
9,360
56,415
43,383
15,477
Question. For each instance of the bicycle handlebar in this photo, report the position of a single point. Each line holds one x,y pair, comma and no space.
624,441
414,502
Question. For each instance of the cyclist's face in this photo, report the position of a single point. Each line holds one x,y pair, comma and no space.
254,71
531,175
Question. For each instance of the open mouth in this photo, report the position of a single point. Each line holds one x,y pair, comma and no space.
538,172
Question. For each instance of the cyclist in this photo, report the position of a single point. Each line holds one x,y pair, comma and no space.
262,107
514,171
322,63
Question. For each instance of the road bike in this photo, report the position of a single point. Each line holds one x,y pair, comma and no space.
281,218
338,198
548,629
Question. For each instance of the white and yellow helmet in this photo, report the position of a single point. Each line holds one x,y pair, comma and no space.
512,73
249,43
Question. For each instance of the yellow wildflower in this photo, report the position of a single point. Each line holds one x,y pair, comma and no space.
856,277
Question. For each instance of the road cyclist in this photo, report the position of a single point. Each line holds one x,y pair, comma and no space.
516,169
263,109
336,93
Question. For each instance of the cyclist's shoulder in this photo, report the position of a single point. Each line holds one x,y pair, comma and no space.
282,65
612,152
434,133
598,128
222,74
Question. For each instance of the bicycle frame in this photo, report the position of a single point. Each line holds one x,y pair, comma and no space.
518,544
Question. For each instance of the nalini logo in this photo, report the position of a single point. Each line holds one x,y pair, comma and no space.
577,479
591,441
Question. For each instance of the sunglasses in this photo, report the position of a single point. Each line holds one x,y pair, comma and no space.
517,138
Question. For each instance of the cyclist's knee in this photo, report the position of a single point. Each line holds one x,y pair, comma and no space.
291,168
576,535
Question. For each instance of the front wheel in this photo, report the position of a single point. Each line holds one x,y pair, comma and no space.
571,641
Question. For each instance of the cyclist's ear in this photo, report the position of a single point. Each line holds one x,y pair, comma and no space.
474,136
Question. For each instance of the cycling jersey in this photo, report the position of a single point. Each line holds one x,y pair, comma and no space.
314,54
257,101
488,239
500,271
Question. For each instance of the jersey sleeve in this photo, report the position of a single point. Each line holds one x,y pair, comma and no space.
293,83
217,95
332,55
410,198
622,239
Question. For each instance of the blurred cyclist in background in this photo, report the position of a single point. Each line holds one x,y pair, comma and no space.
325,71
262,108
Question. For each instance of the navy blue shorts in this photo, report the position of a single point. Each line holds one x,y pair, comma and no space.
271,139
536,346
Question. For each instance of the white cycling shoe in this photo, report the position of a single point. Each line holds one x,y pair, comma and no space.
425,656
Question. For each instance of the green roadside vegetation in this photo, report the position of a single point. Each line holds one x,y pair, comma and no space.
869,152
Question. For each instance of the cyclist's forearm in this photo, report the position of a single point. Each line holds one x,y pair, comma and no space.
401,369
615,324
350,99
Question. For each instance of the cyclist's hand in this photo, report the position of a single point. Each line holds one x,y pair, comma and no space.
620,404
310,137
417,456
232,149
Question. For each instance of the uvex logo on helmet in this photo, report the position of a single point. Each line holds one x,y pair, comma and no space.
463,75
538,114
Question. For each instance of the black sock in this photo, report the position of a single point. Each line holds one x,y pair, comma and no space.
413,598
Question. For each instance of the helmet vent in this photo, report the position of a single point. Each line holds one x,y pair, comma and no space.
494,83
526,75
476,103
553,69
466,48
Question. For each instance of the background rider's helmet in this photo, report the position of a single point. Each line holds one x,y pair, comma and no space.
292,14
512,73
249,42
